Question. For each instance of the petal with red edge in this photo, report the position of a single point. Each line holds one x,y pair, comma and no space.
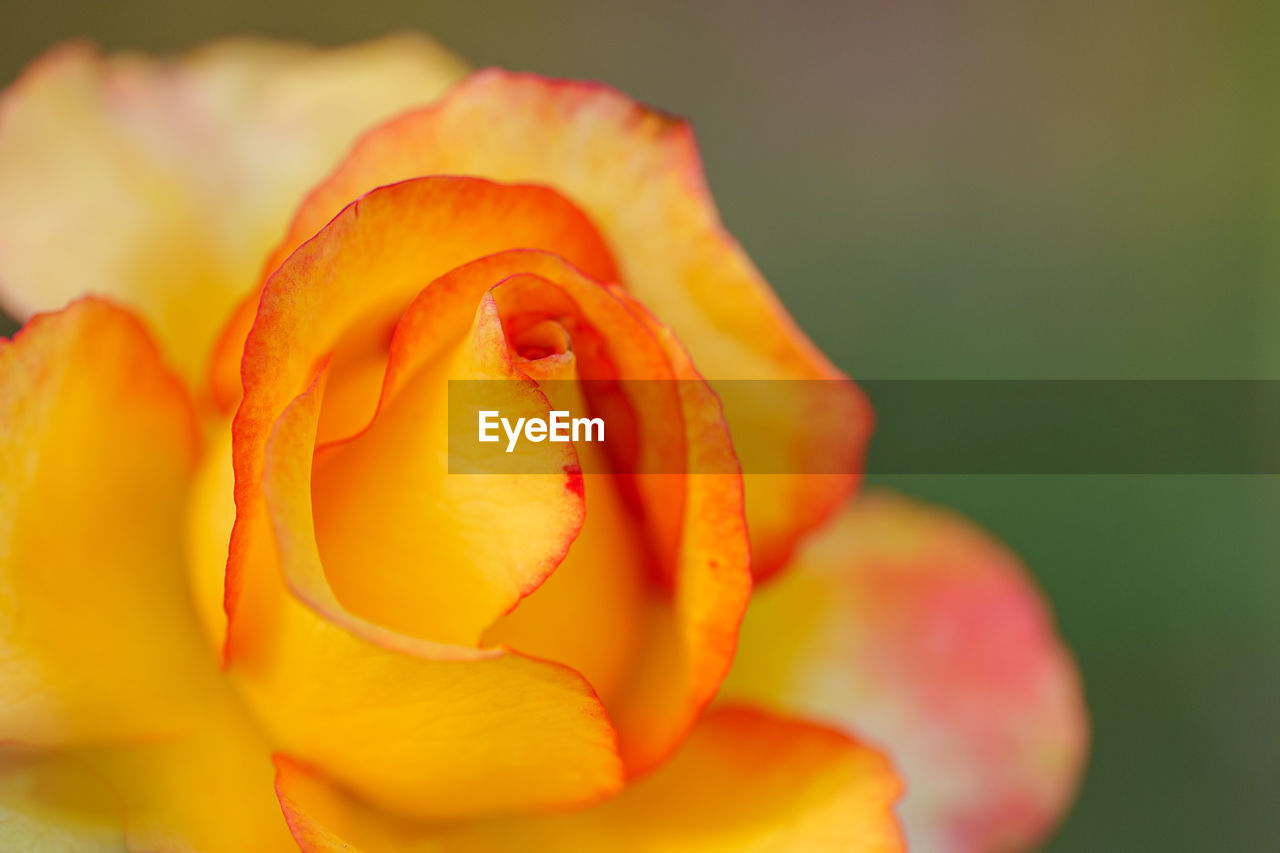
712,584
744,781
164,183
907,625
97,447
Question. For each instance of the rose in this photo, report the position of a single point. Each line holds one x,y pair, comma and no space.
363,620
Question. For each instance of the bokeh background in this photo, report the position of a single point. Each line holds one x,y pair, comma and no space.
975,190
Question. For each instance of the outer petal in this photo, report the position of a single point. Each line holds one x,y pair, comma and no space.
163,183
97,445
905,624
637,174
744,781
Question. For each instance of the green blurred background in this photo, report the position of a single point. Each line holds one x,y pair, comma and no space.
976,190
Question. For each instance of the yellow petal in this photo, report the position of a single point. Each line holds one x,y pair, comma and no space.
906,625
164,183
637,174
97,445
207,791
415,549
55,804
743,782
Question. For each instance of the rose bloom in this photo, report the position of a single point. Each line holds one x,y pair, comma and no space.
245,607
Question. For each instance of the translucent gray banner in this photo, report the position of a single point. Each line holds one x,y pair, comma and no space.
922,427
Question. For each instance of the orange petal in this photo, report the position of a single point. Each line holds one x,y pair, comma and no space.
907,625
637,174
744,781
97,445
455,731
164,183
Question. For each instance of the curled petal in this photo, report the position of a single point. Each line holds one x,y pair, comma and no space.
744,781
163,183
97,447
363,272
637,174
712,585
683,631
427,553
459,731
906,625
357,275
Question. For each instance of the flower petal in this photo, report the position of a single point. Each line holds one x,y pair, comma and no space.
97,446
637,174
906,625
164,183
744,781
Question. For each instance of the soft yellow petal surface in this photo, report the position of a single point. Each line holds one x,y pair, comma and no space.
164,183
56,804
